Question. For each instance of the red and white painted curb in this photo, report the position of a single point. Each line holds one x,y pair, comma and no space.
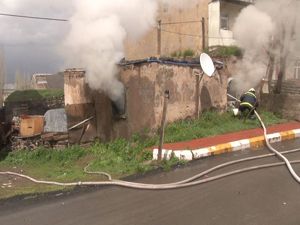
255,142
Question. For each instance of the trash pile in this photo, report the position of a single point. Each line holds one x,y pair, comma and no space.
30,132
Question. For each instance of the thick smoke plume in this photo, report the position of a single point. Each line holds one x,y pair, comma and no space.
98,31
268,27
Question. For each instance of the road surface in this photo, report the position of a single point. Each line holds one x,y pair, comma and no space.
262,197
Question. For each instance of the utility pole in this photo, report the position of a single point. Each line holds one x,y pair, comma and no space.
197,94
159,38
2,77
203,34
163,124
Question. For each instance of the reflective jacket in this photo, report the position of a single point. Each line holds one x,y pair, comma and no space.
249,99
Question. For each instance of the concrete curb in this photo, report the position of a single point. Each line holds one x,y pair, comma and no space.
255,142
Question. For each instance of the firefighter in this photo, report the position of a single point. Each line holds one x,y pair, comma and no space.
248,103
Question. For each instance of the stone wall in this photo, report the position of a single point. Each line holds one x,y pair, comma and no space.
145,85
288,105
38,107
79,106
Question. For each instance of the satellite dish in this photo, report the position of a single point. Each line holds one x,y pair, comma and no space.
207,64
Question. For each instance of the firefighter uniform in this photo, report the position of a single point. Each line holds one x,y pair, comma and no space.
248,102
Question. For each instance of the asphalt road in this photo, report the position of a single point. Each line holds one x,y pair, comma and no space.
262,197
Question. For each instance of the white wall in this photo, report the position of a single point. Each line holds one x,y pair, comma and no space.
214,23
216,35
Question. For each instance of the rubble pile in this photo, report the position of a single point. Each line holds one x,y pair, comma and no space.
47,140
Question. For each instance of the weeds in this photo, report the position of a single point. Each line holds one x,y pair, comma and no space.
224,51
121,157
183,54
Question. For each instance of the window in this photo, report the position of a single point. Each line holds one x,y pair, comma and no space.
224,23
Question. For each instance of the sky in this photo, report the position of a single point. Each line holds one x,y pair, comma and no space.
42,46
92,38
30,46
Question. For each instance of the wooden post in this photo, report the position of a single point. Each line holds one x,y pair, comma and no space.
197,94
197,97
203,34
163,123
159,38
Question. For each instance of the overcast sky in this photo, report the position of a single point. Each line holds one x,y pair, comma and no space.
36,46
30,45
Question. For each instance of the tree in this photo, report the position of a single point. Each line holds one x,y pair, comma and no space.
2,76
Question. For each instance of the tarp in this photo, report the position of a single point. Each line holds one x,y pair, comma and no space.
56,121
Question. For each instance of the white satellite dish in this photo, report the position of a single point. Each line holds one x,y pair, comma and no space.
207,64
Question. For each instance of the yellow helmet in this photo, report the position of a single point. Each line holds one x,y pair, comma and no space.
252,90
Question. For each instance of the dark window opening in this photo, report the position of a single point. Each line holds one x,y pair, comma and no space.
119,107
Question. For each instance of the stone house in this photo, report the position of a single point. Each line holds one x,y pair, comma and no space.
47,81
145,82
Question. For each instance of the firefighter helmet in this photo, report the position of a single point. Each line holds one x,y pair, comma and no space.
252,90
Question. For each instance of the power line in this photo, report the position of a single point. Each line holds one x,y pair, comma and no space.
181,22
193,35
33,17
183,34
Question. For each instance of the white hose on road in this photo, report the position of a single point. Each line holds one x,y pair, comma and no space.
184,183
286,161
180,184
288,164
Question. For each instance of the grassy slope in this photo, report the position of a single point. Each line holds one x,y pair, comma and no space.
119,158
33,95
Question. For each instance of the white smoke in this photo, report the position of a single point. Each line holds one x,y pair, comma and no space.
258,30
254,38
98,32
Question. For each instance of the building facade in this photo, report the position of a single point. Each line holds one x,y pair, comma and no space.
221,19
47,81
145,84
206,23
176,30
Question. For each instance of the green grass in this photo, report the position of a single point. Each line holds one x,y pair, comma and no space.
224,51
211,124
34,95
120,157
185,53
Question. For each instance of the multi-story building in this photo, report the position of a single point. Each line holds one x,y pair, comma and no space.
221,19
207,23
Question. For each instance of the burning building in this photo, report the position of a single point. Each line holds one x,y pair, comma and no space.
140,108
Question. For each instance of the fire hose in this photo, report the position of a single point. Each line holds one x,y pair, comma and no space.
184,183
181,184
278,154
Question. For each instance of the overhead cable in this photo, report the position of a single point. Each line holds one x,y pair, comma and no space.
33,17
181,22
